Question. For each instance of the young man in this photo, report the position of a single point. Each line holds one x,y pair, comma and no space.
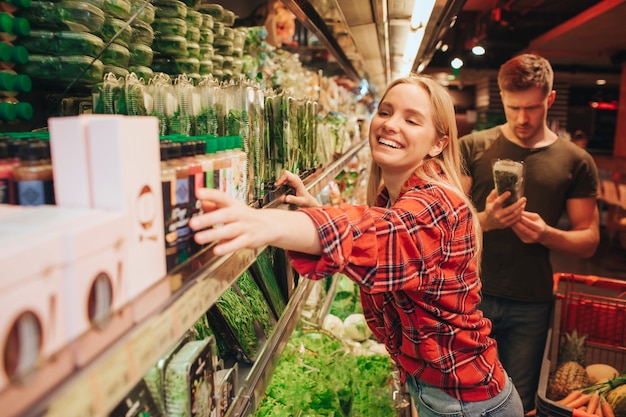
560,177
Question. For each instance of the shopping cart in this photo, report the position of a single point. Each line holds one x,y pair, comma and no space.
594,306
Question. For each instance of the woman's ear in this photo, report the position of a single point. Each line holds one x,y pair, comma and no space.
439,146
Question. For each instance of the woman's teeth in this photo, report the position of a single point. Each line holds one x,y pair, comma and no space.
389,143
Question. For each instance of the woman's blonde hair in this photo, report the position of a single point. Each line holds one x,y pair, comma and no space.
444,169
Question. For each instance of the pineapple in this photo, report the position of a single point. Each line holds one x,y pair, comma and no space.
570,371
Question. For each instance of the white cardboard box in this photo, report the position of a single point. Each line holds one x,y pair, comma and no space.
32,301
124,166
68,151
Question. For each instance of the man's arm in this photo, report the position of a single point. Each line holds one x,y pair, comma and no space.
581,240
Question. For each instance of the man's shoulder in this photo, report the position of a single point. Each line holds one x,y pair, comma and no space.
487,135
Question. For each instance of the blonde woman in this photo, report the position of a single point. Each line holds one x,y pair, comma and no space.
413,250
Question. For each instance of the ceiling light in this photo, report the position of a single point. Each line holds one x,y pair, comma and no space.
600,82
456,63
422,10
478,50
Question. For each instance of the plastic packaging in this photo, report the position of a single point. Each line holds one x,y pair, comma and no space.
75,16
116,55
189,381
140,54
142,32
63,42
147,14
64,68
508,175
114,25
170,8
165,26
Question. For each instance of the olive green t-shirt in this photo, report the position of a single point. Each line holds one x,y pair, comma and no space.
511,268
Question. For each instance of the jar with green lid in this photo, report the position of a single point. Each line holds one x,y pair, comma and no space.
7,112
12,83
142,32
11,55
112,26
140,54
75,16
63,42
171,45
12,6
170,26
33,176
117,8
147,14
12,27
170,8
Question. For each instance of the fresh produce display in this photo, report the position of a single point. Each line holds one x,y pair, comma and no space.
347,298
570,371
189,385
591,390
254,296
237,331
264,272
318,376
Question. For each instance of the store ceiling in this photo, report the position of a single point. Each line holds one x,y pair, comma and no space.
584,39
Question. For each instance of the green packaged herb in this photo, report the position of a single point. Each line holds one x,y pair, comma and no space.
264,275
254,296
62,42
189,381
235,326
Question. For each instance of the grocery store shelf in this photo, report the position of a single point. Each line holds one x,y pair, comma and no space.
259,376
306,13
94,389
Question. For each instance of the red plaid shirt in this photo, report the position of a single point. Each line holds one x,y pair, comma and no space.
419,286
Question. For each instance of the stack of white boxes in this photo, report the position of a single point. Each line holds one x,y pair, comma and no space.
76,276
